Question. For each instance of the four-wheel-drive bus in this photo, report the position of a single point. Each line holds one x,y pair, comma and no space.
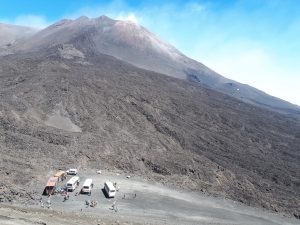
73,183
51,186
109,189
61,175
87,186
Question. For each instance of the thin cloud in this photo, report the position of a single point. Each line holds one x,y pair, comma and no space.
195,7
257,68
35,21
129,17
112,9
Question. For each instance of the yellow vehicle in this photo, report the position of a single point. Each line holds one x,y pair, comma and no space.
61,175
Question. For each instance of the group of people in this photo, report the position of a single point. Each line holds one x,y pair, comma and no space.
91,204
48,203
124,196
64,192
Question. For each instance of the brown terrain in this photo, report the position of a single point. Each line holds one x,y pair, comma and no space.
66,106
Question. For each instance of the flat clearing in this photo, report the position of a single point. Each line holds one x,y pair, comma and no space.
144,203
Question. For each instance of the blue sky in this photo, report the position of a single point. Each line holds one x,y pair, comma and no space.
251,41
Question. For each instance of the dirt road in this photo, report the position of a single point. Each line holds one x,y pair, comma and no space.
142,202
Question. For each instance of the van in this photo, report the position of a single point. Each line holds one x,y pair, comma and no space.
72,172
73,183
109,189
87,186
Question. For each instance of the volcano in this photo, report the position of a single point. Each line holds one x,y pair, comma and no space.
100,92
136,45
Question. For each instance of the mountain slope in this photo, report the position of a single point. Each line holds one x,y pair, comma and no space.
10,34
62,107
135,44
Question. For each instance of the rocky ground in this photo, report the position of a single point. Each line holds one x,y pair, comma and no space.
138,201
94,111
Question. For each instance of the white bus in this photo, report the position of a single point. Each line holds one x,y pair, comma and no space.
109,189
87,186
73,183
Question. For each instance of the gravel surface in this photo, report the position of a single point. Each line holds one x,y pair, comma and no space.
144,203
59,112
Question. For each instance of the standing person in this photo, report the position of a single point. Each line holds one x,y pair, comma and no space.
66,196
114,206
49,202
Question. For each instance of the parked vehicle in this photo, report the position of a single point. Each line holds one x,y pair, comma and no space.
73,183
72,172
87,186
51,186
61,175
109,189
